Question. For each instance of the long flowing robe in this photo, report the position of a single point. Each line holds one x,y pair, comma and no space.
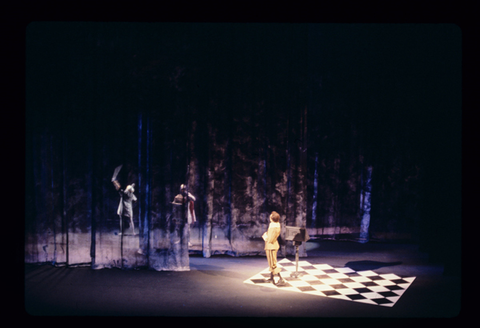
125,204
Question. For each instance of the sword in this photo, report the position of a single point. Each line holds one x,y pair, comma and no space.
114,177
115,173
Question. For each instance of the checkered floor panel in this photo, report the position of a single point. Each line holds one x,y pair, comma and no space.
340,283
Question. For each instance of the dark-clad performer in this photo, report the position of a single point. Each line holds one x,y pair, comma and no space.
272,246
191,207
187,198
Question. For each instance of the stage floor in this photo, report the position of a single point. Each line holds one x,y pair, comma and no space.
221,286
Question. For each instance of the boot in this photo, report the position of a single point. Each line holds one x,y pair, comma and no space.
270,279
280,281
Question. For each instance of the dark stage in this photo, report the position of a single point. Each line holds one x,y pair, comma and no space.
350,131
214,287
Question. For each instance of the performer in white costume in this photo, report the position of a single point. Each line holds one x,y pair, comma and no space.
127,197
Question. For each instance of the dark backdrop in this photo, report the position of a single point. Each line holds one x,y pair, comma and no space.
254,118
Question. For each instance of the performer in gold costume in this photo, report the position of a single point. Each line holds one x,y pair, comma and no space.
272,246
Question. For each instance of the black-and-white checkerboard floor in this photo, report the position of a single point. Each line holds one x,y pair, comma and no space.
340,283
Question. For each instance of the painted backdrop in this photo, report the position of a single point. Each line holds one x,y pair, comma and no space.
335,127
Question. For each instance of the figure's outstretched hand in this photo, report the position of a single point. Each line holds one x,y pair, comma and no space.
116,184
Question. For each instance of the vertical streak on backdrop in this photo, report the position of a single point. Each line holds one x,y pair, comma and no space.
365,201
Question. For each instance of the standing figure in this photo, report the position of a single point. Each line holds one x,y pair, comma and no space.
125,205
191,204
191,219
272,246
181,199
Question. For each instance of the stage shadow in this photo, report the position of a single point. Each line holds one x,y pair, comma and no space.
205,267
369,265
217,271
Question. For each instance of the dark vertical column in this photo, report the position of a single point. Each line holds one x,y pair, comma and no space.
56,181
209,190
147,219
227,208
315,193
141,169
53,193
33,236
30,197
90,191
144,179
288,157
366,204
301,193
44,199
263,216
64,193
